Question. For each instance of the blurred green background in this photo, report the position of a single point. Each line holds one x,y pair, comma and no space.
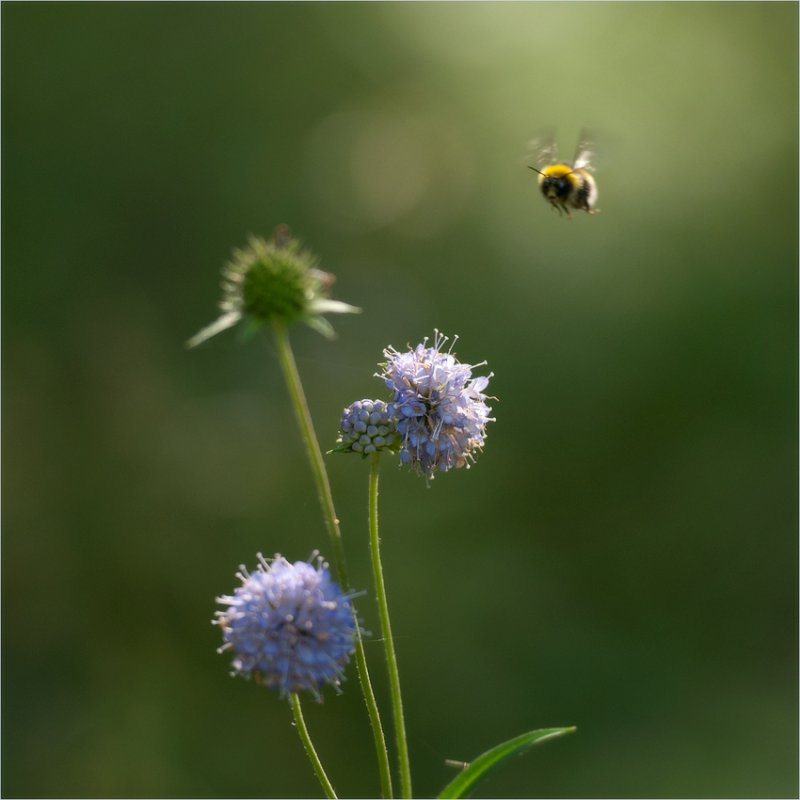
623,556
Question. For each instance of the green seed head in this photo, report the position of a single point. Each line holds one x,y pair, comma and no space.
271,281
274,282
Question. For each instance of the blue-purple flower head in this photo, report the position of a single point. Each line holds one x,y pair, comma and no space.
367,427
288,626
440,408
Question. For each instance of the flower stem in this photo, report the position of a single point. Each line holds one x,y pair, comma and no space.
386,630
298,398
300,723
292,377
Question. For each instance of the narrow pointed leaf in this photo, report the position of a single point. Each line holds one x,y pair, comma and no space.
223,323
465,781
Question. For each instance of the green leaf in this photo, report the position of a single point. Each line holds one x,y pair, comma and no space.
465,781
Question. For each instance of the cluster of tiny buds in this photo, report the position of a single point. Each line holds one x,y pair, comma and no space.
367,427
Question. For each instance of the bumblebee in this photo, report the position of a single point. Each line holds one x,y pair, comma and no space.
566,186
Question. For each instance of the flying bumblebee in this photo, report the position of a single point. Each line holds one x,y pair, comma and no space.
566,186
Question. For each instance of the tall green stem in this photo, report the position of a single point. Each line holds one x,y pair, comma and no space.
300,724
298,398
386,630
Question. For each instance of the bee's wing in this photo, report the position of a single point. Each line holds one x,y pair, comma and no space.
543,149
585,153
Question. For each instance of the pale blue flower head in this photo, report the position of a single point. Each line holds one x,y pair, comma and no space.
440,408
288,626
367,427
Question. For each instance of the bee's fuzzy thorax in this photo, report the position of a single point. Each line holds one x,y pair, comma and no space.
556,171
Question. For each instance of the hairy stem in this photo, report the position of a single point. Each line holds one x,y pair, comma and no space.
302,730
386,631
300,405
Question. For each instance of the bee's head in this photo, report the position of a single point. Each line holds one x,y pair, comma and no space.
554,181
555,188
